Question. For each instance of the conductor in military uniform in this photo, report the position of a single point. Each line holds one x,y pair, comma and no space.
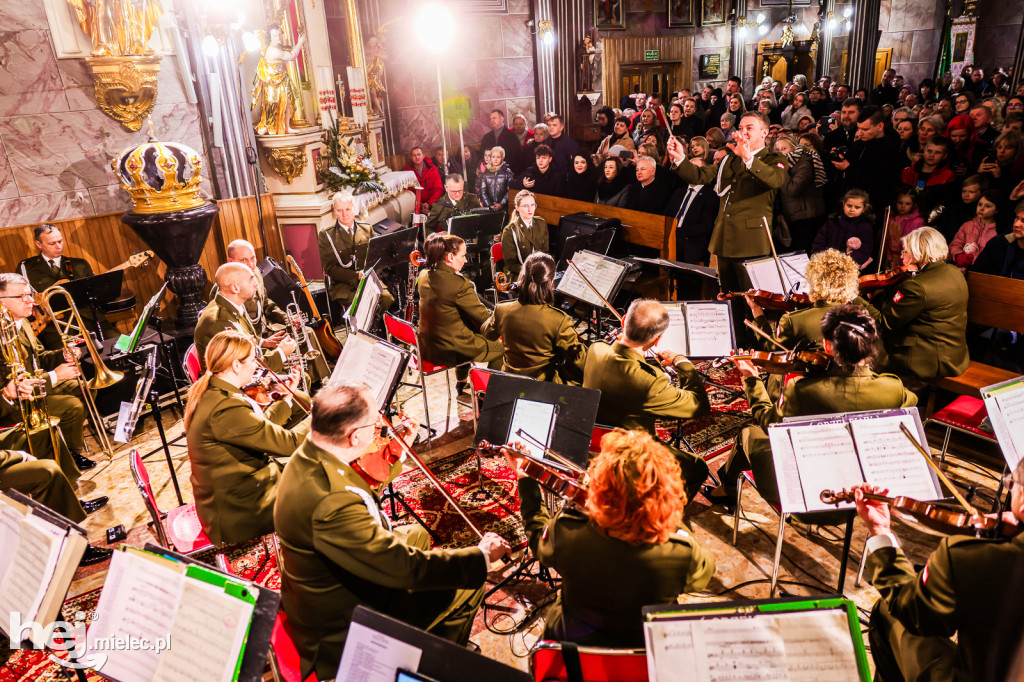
338,549
963,583
629,541
343,253
455,201
746,181
635,391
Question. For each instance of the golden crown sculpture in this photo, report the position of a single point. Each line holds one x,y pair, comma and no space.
160,176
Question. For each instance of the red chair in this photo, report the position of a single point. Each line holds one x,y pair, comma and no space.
965,414
596,436
190,364
181,530
597,664
403,332
284,656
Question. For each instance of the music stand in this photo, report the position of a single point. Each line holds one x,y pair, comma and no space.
92,291
476,228
598,241
393,248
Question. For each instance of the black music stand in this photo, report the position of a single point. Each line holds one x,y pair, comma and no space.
389,255
595,322
476,228
94,291
599,241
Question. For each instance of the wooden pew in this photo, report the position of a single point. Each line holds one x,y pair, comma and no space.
993,302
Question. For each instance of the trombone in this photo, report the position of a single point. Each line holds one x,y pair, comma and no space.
35,416
73,331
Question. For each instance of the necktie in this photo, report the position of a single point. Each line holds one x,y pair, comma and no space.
685,206
54,269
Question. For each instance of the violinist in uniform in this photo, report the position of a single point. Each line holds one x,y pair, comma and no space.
236,449
924,322
455,201
635,391
964,580
850,338
540,340
525,233
339,550
629,541
451,312
342,250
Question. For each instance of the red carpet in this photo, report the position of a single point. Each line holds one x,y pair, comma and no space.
715,433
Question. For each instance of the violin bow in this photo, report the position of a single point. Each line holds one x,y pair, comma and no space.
938,472
783,280
564,461
884,239
597,293
768,337
301,403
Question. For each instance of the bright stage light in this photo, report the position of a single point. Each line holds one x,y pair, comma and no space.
211,48
435,26
250,42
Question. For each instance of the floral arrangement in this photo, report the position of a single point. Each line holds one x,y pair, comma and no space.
345,166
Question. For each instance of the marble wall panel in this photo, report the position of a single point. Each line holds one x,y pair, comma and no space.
1013,12
45,207
516,39
646,23
480,36
109,199
519,6
402,86
925,47
897,13
884,12
418,126
526,106
998,46
504,78
29,79
22,15
8,187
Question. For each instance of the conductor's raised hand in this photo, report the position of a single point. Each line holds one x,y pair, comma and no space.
676,150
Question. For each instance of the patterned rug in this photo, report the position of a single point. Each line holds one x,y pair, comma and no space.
36,666
715,433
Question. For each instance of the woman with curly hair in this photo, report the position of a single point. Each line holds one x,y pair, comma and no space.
629,541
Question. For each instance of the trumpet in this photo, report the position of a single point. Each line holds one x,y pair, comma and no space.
34,414
297,330
68,322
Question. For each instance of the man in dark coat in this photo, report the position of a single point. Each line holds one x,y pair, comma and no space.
500,136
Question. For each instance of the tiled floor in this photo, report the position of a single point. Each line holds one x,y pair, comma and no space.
810,556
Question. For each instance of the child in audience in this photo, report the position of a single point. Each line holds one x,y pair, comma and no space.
905,219
958,211
849,231
975,233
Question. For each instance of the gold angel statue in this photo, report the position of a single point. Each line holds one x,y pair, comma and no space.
273,93
376,53
118,27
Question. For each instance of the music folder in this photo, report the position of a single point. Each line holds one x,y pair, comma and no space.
764,273
604,273
372,361
698,329
363,309
1005,405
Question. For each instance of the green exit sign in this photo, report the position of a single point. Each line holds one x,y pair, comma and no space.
651,55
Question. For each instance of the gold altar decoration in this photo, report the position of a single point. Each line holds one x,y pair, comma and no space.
123,65
160,176
376,53
275,95
288,162
289,16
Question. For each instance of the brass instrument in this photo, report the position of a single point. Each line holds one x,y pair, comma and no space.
417,259
501,282
72,330
297,330
34,414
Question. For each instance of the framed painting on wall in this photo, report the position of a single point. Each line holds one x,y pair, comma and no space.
609,15
712,12
680,14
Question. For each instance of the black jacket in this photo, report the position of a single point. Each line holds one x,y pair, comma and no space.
508,141
694,233
549,183
654,198
875,168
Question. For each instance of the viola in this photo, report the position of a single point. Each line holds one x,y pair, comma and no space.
769,300
374,465
884,279
930,516
785,362
561,483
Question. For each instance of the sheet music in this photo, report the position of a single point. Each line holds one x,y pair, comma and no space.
674,339
10,529
827,460
804,646
1009,415
139,599
372,656
764,274
890,460
794,269
365,359
207,636
29,573
535,419
363,318
603,273
709,326
787,473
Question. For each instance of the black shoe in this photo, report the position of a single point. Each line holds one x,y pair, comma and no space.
95,555
95,505
83,463
726,500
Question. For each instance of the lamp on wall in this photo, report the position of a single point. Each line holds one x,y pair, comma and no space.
759,24
836,21
545,30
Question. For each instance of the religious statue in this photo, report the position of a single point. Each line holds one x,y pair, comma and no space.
273,93
586,63
118,27
376,53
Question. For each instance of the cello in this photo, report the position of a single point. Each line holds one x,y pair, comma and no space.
322,325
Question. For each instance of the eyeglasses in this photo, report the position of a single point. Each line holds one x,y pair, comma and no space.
1010,480
27,296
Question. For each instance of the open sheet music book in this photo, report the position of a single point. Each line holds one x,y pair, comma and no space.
1005,405
360,313
772,639
373,361
764,273
195,619
604,273
39,553
812,454
698,329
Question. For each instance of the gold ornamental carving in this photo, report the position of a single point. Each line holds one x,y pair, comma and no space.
288,162
126,87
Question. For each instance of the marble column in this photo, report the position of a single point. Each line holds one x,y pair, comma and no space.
738,45
823,58
863,45
568,22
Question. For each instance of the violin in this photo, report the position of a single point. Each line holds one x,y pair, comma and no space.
263,394
769,300
569,487
936,518
374,465
884,279
784,362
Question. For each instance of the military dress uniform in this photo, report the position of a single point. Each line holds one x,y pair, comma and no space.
233,448
594,566
746,196
42,275
43,481
924,324
451,314
338,551
518,241
42,444
444,208
220,314
822,393
539,340
343,256
635,391
965,580
805,325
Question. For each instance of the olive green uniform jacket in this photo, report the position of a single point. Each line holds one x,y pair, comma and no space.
444,208
338,551
220,314
961,588
519,241
451,315
43,481
594,566
41,276
924,324
343,257
266,317
747,197
42,443
232,446
805,325
539,340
